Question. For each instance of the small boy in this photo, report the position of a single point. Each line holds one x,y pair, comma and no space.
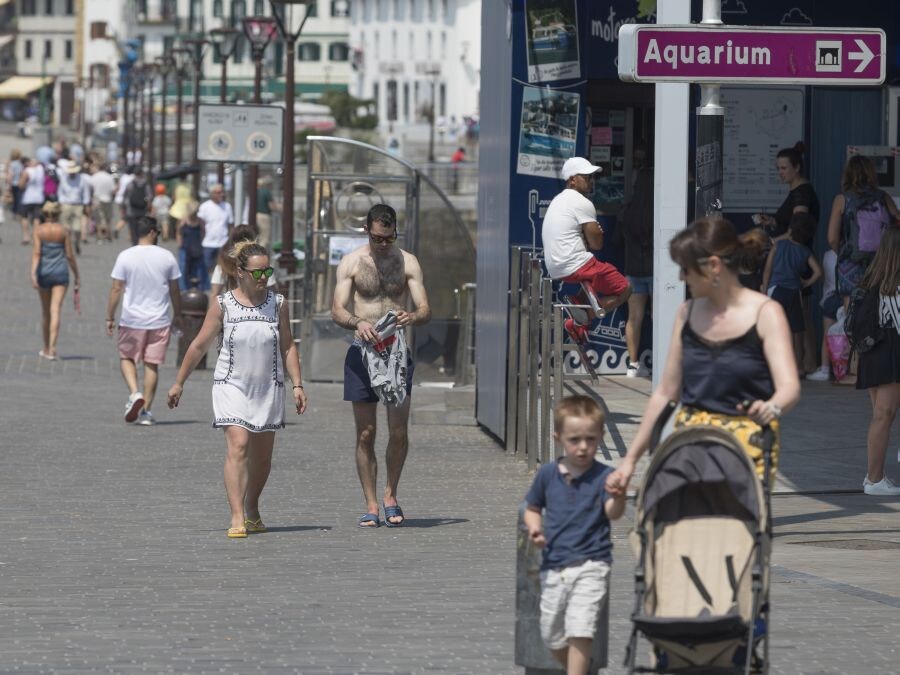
574,532
783,278
160,210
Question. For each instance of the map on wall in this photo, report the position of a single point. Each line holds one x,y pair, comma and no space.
759,121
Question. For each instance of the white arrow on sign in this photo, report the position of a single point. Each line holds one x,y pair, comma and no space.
863,56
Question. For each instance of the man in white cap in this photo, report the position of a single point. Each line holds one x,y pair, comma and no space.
74,195
570,232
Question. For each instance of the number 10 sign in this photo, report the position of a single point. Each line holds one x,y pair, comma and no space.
240,133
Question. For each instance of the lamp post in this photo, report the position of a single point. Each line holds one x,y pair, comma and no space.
291,16
259,31
164,63
152,70
141,81
225,41
197,47
432,70
182,58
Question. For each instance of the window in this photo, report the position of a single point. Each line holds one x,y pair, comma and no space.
238,12
375,95
313,10
412,45
238,55
70,7
394,45
398,10
218,9
259,7
27,49
442,100
195,16
68,50
338,51
168,43
406,101
428,45
29,7
392,100
340,8
309,51
279,58
431,14
48,49
443,45
48,7
382,10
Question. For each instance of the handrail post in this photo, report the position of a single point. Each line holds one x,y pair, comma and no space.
546,370
534,336
512,348
559,366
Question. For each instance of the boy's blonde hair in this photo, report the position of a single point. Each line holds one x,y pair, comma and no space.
577,406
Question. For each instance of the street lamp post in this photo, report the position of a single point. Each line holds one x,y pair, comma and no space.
259,31
290,25
433,70
164,63
152,70
182,58
139,111
225,41
197,47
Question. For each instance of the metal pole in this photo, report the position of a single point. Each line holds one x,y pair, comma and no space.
287,259
198,166
151,130
162,139
126,131
515,285
254,168
178,134
223,85
238,176
433,115
708,163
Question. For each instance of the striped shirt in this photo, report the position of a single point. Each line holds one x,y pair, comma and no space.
890,310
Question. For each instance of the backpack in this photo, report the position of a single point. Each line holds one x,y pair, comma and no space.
51,182
862,323
137,197
866,219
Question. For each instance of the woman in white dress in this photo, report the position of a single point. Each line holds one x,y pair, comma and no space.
248,385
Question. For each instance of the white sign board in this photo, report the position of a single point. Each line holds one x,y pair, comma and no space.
240,133
760,122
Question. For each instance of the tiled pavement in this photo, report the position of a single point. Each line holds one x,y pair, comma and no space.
114,558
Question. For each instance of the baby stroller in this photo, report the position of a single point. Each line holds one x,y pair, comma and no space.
702,536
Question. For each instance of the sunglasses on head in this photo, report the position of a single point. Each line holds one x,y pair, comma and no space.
383,240
258,274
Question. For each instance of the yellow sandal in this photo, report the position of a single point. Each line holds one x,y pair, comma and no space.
256,526
237,532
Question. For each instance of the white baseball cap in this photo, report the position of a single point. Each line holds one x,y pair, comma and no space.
577,166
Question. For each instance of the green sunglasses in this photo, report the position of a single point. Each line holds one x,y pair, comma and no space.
257,274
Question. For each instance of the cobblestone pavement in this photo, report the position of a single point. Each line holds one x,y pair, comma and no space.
115,560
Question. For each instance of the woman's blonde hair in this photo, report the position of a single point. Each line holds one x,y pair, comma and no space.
51,210
240,254
227,257
884,271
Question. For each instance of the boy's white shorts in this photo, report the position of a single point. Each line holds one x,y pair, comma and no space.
571,598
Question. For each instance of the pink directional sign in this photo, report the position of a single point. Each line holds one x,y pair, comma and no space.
744,54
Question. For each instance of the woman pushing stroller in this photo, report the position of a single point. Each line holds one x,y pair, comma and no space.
730,345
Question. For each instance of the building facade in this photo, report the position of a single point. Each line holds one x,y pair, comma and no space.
410,53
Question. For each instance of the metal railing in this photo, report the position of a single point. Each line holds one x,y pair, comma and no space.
465,354
537,351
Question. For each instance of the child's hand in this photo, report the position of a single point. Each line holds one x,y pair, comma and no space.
537,537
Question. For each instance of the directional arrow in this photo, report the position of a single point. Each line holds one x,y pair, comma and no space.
864,56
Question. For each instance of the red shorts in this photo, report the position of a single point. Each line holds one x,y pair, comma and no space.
140,344
604,278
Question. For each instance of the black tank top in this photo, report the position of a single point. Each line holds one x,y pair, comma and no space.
718,376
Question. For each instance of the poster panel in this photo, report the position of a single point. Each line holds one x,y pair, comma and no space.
547,131
551,40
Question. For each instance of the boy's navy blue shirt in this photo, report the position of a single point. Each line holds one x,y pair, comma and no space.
575,522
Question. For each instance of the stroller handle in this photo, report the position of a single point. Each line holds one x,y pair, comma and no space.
660,424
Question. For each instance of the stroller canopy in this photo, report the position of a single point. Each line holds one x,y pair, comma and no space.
693,465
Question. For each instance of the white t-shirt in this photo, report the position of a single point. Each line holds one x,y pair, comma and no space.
564,249
104,186
34,187
217,218
124,182
146,271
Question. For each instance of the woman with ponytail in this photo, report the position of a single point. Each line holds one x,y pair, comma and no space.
801,197
224,275
257,347
730,345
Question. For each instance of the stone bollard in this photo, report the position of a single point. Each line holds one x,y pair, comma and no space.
193,310
530,649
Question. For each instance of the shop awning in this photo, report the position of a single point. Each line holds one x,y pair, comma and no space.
4,2
19,86
5,39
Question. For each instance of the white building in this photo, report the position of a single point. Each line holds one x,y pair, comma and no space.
45,48
402,49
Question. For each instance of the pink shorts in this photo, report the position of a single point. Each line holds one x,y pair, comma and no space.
604,278
140,344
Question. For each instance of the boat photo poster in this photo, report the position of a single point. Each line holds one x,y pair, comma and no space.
548,131
551,40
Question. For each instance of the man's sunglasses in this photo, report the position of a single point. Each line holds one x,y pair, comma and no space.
258,274
391,238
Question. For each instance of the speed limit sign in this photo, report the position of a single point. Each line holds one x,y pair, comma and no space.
240,133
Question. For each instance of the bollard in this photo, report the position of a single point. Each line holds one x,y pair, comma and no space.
530,650
193,310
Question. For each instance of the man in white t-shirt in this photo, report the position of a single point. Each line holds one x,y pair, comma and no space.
147,276
218,219
570,232
103,187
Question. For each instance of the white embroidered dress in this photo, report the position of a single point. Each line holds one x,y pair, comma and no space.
248,385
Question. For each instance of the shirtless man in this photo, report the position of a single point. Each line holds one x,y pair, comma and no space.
370,281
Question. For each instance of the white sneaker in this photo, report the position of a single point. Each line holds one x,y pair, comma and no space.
883,488
632,370
133,406
821,374
146,418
